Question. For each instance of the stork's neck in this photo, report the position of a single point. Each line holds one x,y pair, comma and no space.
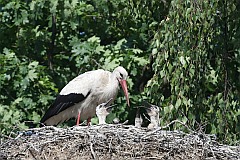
113,77
102,119
111,89
138,122
155,120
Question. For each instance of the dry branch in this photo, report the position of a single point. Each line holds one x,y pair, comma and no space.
114,142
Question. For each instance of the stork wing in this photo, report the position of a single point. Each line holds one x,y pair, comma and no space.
61,103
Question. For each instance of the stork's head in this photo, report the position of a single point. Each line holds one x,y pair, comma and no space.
122,75
104,109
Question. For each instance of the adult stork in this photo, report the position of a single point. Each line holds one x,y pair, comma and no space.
80,97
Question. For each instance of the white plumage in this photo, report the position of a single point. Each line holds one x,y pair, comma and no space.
138,119
102,111
81,96
153,112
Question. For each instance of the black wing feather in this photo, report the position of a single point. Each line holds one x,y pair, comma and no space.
61,103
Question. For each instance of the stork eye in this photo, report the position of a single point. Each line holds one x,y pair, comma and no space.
121,75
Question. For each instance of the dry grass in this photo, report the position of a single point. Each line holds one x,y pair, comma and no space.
114,142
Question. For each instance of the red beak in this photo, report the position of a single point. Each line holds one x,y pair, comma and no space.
125,90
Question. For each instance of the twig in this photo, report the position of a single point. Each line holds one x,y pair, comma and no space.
110,145
19,135
125,122
160,128
92,151
125,141
146,117
8,137
99,65
32,154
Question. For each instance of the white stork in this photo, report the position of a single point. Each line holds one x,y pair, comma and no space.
153,112
80,97
103,110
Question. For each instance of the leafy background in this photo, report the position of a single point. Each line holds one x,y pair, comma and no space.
181,55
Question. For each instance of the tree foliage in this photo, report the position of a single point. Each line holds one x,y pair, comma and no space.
44,44
184,54
197,62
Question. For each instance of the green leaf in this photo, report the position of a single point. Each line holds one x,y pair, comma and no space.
7,116
178,103
140,61
35,117
137,51
119,44
94,39
33,64
182,60
154,51
32,75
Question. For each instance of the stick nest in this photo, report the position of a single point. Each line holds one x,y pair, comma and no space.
113,142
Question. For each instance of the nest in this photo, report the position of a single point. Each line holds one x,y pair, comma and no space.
114,142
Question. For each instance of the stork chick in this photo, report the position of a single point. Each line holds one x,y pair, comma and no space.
153,112
138,119
102,111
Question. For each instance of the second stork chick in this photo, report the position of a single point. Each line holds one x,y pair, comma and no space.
153,112
103,110
138,119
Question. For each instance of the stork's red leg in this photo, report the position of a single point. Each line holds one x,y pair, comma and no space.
78,119
89,121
